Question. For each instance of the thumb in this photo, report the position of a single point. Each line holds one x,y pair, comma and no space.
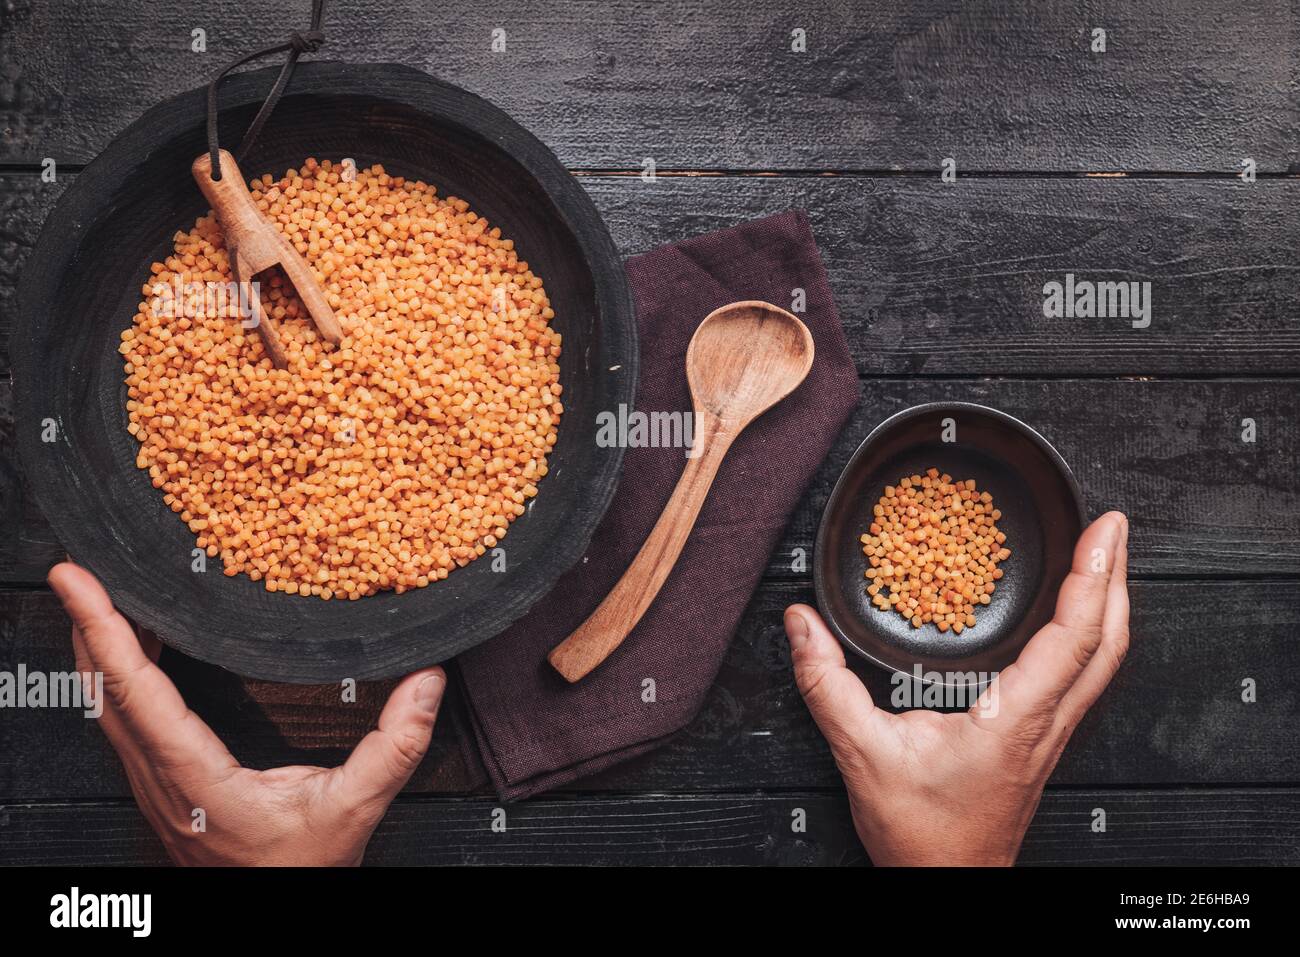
385,759
837,699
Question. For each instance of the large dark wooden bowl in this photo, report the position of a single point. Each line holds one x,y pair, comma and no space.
80,290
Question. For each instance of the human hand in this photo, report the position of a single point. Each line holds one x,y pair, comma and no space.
177,766
961,788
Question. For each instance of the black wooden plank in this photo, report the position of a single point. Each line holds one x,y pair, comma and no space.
948,280
1005,86
27,544
1226,827
25,201
1169,453
1174,715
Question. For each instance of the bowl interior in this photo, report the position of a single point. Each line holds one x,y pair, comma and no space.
1040,516
112,520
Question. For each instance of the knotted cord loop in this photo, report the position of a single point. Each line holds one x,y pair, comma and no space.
308,41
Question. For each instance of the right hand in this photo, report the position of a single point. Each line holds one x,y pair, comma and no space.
933,788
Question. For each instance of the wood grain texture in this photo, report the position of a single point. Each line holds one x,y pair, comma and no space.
948,280
1228,827
28,547
1166,452
939,284
1173,716
1002,86
25,201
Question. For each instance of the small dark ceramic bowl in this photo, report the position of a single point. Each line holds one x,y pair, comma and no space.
1042,517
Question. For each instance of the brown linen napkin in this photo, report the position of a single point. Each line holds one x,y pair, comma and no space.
533,730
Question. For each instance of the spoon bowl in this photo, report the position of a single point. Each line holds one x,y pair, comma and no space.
744,358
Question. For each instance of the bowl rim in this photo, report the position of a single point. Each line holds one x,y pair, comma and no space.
54,255
820,586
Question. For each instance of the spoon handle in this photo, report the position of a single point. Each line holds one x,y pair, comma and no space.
623,607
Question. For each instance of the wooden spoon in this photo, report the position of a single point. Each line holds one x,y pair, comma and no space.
743,359
254,244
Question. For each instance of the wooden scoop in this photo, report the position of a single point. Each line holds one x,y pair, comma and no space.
743,359
254,245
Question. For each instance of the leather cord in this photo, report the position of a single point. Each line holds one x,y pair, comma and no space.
308,41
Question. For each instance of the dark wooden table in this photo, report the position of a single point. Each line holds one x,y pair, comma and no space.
1115,165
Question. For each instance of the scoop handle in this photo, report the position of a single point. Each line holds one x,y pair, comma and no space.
598,636
243,224
257,242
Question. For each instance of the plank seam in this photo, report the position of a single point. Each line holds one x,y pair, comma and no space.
35,169
578,797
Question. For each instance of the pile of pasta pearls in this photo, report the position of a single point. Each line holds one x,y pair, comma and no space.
385,462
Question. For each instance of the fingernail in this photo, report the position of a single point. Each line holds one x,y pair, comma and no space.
796,629
428,693
1123,535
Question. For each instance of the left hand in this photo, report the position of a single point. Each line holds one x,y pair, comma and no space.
178,767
